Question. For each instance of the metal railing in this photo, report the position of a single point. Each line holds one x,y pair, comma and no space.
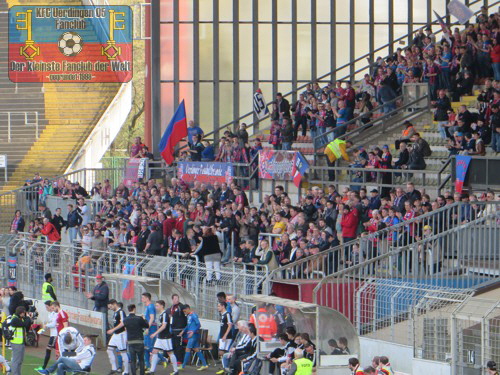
380,124
74,268
332,76
381,178
26,115
402,237
462,257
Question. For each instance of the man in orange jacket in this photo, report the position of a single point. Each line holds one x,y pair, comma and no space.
265,323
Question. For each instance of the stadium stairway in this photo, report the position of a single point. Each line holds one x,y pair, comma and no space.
424,124
70,112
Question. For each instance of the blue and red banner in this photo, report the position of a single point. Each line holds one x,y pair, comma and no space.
70,44
461,167
175,131
282,165
205,172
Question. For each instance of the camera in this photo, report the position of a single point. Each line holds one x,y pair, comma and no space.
30,308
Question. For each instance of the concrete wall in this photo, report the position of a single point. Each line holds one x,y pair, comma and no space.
401,357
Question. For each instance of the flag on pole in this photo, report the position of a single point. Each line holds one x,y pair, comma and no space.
460,11
446,31
259,105
175,131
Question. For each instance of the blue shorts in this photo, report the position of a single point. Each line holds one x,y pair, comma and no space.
193,341
148,341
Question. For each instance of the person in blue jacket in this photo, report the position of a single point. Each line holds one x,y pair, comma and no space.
192,332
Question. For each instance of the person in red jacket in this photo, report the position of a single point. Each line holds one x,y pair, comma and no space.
50,231
349,223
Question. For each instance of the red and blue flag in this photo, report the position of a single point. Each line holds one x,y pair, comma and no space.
175,131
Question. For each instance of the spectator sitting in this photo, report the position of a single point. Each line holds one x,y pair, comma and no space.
479,148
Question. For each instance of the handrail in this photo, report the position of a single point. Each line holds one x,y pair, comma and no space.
374,121
26,114
442,184
332,73
378,234
392,253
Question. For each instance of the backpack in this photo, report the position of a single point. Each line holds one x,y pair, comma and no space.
254,368
7,332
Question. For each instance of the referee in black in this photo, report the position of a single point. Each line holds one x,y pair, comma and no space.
135,326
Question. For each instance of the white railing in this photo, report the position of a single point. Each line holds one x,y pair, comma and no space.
26,114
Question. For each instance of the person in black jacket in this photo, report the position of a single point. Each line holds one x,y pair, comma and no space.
442,105
135,326
283,106
58,221
210,253
16,299
178,322
73,223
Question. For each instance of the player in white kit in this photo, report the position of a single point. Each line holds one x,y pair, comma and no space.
163,339
118,341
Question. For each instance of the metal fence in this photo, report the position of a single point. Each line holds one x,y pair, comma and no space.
74,268
455,255
426,246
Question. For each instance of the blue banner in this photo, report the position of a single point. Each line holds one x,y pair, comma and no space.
462,164
205,172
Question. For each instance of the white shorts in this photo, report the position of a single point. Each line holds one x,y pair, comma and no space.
164,344
225,344
118,341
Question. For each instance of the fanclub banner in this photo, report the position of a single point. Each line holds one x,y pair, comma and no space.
205,172
134,170
63,44
282,165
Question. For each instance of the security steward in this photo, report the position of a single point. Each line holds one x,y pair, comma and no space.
19,324
48,290
301,365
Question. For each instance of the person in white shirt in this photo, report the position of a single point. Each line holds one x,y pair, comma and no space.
69,341
81,362
51,324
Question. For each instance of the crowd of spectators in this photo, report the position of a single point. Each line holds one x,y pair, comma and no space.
220,226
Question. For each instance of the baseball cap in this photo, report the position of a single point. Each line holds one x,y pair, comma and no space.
98,277
427,227
385,146
374,191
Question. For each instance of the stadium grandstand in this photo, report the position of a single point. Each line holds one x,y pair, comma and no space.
250,187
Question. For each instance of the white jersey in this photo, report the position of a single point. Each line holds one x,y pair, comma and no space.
77,342
52,324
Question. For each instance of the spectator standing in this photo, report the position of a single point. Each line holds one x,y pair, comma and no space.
18,223
283,106
100,296
287,134
136,147
209,252
193,130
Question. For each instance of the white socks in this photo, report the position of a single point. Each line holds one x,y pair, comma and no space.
173,359
154,362
112,358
